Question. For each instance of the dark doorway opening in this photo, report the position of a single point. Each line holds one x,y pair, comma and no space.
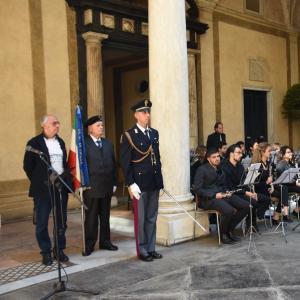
255,115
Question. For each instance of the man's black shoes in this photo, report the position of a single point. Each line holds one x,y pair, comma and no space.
233,237
62,256
108,246
155,255
47,259
226,240
146,257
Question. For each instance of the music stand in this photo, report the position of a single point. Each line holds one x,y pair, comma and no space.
249,181
54,180
286,177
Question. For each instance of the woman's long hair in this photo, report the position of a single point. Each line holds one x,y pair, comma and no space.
257,153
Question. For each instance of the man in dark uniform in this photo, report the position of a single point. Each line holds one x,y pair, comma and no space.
54,151
215,139
103,183
140,160
210,186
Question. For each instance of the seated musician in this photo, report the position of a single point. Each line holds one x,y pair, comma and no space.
197,161
210,186
285,163
262,155
234,172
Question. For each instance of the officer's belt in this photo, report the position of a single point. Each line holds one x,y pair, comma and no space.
144,154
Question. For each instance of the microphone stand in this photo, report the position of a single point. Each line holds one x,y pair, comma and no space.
59,286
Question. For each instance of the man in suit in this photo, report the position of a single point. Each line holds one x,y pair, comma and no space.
215,139
103,183
210,186
140,161
54,151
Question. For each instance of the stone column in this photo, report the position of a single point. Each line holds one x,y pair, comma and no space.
193,107
95,95
169,92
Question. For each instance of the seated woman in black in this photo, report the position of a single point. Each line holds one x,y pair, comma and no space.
197,161
285,163
262,155
234,172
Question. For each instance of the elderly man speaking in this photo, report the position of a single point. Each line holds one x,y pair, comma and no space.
54,151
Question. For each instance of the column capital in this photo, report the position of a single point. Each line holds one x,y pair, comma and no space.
94,37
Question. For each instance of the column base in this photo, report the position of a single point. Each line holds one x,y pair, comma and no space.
176,228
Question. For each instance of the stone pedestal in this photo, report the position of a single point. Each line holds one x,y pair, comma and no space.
169,92
95,94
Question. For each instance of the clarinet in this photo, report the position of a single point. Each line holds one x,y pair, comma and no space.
271,190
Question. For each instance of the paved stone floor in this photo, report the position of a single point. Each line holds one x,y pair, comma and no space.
198,269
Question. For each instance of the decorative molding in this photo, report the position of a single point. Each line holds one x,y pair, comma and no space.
256,70
128,25
107,20
88,16
144,28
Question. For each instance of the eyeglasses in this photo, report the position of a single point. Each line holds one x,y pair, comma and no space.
238,152
55,123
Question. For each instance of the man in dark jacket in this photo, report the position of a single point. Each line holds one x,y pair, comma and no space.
140,160
103,183
234,172
210,186
215,139
54,151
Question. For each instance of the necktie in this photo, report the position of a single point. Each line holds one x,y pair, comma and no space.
147,133
99,144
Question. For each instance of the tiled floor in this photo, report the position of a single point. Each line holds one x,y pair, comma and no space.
18,245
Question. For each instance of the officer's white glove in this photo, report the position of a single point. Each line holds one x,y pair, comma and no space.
135,190
114,189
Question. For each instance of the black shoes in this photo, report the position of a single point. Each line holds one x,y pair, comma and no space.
88,251
146,258
47,259
62,256
108,246
233,237
155,255
226,240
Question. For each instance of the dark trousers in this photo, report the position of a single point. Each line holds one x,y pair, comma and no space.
97,208
232,210
43,207
147,215
281,191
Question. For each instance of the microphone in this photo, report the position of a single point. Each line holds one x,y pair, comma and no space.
28,148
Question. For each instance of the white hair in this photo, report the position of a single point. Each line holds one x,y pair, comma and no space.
44,120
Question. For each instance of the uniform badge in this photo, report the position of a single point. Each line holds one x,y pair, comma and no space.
146,102
135,130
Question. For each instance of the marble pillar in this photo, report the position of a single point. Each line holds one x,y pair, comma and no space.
169,92
193,106
95,94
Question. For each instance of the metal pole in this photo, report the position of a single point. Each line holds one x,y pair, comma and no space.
82,221
172,197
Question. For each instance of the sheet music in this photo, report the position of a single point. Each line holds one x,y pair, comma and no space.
252,174
287,176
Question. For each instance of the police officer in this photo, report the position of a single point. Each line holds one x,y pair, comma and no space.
140,161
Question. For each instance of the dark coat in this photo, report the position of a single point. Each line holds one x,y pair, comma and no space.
214,140
102,168
36,170
234,175
208,182
147,176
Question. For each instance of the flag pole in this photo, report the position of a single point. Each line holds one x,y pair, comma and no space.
82,222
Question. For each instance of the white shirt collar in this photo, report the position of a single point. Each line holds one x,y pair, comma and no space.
142,128
94,139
